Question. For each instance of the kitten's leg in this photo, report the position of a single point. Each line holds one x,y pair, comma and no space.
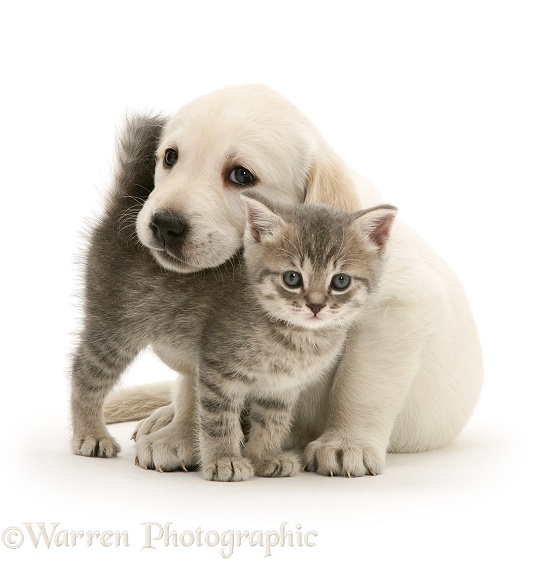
172,445
220,432
270,425
368,391
97,366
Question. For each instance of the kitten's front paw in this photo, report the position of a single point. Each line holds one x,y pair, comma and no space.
97,446
285,464
338,456
228,468
167,449
159,419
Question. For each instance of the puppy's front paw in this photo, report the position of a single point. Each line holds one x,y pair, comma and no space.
285,464
338,456
229,468
97,446
159,419
167,449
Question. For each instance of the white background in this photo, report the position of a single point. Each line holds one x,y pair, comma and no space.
442,105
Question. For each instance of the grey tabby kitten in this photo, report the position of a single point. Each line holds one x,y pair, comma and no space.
277,325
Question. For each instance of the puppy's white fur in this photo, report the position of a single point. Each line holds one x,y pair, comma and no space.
252,127
412,372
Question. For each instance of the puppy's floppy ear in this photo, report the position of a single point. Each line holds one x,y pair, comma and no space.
330,183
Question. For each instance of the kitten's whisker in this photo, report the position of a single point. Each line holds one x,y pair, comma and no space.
139,200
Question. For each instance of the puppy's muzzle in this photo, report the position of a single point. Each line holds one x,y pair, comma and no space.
168,228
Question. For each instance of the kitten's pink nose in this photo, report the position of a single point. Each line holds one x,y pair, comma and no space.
315,308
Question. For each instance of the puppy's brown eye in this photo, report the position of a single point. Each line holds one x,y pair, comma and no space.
241,176
170,158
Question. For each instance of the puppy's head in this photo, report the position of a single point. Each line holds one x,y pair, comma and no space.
245,137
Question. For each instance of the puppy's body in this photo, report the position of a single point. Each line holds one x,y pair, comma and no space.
411,373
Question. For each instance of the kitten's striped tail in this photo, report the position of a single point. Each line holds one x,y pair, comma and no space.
137,402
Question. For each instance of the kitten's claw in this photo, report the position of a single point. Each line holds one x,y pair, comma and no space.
134,436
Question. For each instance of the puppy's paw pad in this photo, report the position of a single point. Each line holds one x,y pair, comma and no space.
101,446
228,469
335,456
285,464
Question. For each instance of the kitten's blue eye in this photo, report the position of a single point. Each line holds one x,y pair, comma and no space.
340,281
292,279
241,176
170,158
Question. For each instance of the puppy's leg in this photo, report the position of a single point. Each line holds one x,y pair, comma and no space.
160,418
97,366
368,392
167,440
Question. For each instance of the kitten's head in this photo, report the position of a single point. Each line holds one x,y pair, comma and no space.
312,265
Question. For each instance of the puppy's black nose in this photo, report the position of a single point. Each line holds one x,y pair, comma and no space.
169,228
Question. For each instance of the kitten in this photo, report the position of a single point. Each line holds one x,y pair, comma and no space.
278,324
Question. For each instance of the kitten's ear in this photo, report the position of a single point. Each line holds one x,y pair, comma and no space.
376,223
262,222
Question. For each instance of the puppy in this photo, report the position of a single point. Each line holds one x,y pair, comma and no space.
412,370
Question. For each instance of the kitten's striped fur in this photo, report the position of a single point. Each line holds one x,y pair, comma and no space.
265,342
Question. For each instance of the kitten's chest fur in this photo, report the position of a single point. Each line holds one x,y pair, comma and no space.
271,356
294,359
